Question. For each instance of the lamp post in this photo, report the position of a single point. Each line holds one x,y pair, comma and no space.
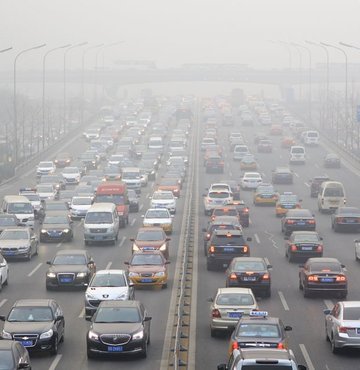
15,99
346,92
83,77
64,79
43,88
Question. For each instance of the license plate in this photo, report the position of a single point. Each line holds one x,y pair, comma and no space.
234,315
306,248
26,343
327,280
8,253
249,278
115,348
148,248
146,280
66,280
98,237
301,223
350,221
228,249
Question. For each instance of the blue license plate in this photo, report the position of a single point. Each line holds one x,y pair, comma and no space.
228,249
26,343
235,315
327,280
98,237
301,223
66,280
349,221
306,248
8,253
148,248
249,278
115,349
146,280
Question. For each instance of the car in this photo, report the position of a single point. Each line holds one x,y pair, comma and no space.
70,268
346,219
227,306
79,206
225,211
342,325
248,162
260,136
148,268
163,199
112,173
276,130
286,201
223,246
282,175
4,272
265,194
214,163
56,227
45,168
298,219
219,186
216,198
66,196
119,327
18,243
158,217
287,142
251,180
303,245
323,274
250,272
170,184
47,191
315,184
56,179
8,220
297,155
134,200
259,330
14,356
240,151
206,142
63,160
264,146
235,138
107,285
38,324
34,198
234,188
332,160
71,175
243,210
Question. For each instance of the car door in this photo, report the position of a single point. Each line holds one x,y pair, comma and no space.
332,320
33,242
59,323
3,268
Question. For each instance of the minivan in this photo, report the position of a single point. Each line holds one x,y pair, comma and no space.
310,138
297,154
331,196
21,207
101,223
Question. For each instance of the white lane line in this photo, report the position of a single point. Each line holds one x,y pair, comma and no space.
296,174
305,353
3,302
55,362
329,304
58,245
141,207
122,241
133,221
327,367
35,269
108,265
256,236
307,184
283,301
82,313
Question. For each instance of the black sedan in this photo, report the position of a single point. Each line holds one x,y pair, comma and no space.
303,244
250,272
41,319
298,219
322,274
56,227
13,356
315,184
70,268
346,218
282,175
133,201
332,160
119,327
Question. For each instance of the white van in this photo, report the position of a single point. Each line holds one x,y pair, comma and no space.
297,154
101,223
331,196
156,142
310,138
21,207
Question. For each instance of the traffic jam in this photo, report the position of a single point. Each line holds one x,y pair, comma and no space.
99,222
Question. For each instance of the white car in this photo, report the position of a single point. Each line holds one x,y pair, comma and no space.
216,198
206,142
91,134
33,197
158,217
240,151
115,159
71,175
46,191
107,285
297,154
251,180
220,186
45,168
4,272
164,199
79,206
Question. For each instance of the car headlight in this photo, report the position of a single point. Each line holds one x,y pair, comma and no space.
138,335
93,336
160,274
81,274
47,334
133,274
66,230
163,247
110,229
89,296
31,218
86,229
6,335
122,296
135,247
24,247
43,231
51,274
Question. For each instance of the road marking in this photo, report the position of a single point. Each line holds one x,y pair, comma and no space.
283,301
257,238
58,245
271,236
3,302
141,207
122,241
250,221
329,304
133,221
307,184
82,313
108,265
296,174
55,362
35,269
305,353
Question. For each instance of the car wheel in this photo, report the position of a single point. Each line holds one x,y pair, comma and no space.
164,286
356,256
143,353
334,349
55,347
6,282
306,292
213,333
1,284
29,256
300,285
209,266
335,228
62,337
290,257
89,354
267,293
326,335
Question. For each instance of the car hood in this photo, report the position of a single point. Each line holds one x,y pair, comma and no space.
27,327
145,243
14,243
68,268
55,226
116,328
147,268
157,220
106,292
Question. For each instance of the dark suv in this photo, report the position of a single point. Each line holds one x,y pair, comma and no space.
315,184
224,245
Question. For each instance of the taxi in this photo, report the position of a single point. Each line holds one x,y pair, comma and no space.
265,194
158,217
286,201
225,211
258,330
276,130
287,142
248,162
169,184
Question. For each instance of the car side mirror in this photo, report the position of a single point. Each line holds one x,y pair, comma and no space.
343,266
286,238
222,367
2,318
327,311
288,328
167,239
302,367
88,318
301,266
203,230
60,317
147,318
248,239
132,239
269,267
356,241
126,263
48,262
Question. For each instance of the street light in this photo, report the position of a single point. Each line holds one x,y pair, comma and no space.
82,77
15,100
43,92
64,78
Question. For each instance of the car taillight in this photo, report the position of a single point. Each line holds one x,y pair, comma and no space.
343,329
312,222
233,276
246,249
339,219
216,313
235,345
212,249
293,247
280,346
266,277
208,236
290,222
313,278
319,248
246,210
340,278
212,218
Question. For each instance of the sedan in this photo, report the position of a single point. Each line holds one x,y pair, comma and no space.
282,175
265,194
119,327
303,244
322,274
265,146
332,160
18,243
158,217
342,325
70,268
41,319
170,184
346,218
13,356
56,227
248,162
251,180
63,160
298,219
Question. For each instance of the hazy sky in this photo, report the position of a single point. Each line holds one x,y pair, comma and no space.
172,32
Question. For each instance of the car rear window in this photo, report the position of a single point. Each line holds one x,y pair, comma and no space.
351,313
226,240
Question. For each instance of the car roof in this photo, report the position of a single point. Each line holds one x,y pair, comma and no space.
249,259
261,353
235,232
71,252
234,290
267,319
111,272
33,302
323,259
347,304
117,303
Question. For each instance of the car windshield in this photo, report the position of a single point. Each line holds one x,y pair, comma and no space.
25,208
258,330
334,192
117,315
7,221
299,213
306,238
45,189
98,218
70,170
162,196
69,259
14,235
86,201
219,194
325,267
351,313
150,235
6,359
110,198
30,314
169,182
288,198
146,259
50,179
349,210
267,367
49,220
108,280
157,213
265,189
249,266
32,197
131,175
56,206
297,150
46,164
234,299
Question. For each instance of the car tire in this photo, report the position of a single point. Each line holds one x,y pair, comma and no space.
300,285
290,257
1,284
213,333
90,354
143,353
29,256
336,228
6,282
55,347
164,286
209,266
326,335
356,257
334,349
267,293
306,292
86,242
